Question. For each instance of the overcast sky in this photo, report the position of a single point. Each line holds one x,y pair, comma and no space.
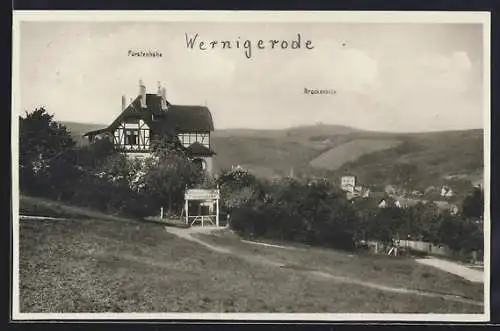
390,77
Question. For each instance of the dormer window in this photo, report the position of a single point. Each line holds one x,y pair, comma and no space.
132,134
131,137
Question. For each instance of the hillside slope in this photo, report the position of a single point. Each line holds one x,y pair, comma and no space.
350,152
93,265
432,158
451,157
77,130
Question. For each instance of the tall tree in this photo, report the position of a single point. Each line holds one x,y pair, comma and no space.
96,154
473,204
46,153
405,175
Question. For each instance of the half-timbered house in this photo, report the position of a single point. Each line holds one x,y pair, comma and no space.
152,115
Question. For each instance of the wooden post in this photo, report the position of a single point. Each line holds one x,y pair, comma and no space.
186,205
217,207
217,212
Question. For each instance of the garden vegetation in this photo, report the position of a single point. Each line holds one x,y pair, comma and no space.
310,211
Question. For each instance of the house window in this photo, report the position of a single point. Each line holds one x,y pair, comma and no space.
200,163
188,139
131,137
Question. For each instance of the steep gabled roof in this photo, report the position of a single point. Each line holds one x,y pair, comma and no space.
96,132
190,118
177,118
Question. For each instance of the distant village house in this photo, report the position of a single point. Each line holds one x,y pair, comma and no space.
446,206
347,183
446,192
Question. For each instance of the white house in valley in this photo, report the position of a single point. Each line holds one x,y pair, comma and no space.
348,183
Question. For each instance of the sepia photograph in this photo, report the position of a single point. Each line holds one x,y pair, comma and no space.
251,166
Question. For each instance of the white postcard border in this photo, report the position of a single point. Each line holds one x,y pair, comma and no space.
249,16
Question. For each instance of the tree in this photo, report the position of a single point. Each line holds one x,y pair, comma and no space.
418,222
95,155
335,220
165,147
473,236
287,202
459,234
366,211
311,211
239,188
385,224
46,154
473,204
168,173
450,231
405,175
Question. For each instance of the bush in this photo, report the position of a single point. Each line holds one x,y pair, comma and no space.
311,212
102,194
473,204
97,176
316,213
249,222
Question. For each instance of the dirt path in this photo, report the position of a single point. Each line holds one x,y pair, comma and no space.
476,276
187,234
269,245
42,218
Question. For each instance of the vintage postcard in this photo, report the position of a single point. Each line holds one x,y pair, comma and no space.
251,166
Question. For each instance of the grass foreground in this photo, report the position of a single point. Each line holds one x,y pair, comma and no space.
95,265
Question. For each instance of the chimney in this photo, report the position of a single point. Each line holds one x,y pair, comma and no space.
163,93
142,92
124,102
159,92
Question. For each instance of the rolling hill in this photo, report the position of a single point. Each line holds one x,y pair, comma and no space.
451,158
334,158
376,158
79,129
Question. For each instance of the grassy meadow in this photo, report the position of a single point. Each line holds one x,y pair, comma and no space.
116,265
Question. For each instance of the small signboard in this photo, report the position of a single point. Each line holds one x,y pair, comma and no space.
201,194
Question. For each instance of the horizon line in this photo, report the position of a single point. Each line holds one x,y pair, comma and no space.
292,127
